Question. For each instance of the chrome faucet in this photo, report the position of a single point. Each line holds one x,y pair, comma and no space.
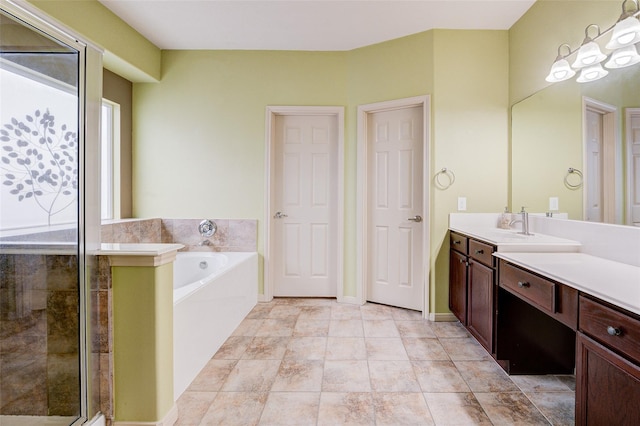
524,220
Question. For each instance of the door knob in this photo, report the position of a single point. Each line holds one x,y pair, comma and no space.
279,215
416,218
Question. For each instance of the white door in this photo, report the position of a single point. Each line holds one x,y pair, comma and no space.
593,173
304,208
395,217
633,149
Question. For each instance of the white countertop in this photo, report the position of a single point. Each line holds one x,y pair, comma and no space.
510,240
139,254
613,282
141,249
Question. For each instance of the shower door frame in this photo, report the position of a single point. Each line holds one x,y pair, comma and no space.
88,224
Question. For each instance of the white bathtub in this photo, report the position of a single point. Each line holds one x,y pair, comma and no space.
213,292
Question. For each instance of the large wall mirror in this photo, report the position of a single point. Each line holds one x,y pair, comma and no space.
580,144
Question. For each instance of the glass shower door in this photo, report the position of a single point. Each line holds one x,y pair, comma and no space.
40,235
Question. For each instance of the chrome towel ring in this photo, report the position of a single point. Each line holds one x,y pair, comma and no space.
450,176
572,171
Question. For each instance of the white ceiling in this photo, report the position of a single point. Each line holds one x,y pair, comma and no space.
305,24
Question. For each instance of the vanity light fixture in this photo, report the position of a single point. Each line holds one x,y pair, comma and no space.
623,57
592,73
625,33
589,53
561,70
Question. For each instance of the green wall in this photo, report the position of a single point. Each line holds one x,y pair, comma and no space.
199,135
126,52
142,342
470,104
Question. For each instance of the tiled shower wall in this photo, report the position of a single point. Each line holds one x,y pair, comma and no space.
39,335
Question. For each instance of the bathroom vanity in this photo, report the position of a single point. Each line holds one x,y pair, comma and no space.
471,286
541,306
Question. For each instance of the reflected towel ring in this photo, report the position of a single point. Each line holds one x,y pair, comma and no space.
450,176
573,185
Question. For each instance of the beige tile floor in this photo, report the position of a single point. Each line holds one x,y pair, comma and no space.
317,362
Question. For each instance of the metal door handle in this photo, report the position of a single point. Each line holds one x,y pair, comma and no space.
416,218
279,215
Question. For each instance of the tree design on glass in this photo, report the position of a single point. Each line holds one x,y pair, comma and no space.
40,163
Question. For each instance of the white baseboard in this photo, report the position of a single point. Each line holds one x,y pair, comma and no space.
263,298
169,419
352,300
442,317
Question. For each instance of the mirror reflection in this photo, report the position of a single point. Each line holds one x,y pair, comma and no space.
579,145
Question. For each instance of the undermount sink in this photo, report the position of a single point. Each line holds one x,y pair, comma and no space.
510,234
512,240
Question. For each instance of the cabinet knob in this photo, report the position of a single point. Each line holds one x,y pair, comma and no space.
523,284
479,251
614,331
456,242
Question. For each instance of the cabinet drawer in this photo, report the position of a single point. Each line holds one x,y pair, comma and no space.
615,329
458,242
481,252
536,290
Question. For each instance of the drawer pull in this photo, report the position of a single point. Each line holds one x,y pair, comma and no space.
456,242
479,251
614,331
523,284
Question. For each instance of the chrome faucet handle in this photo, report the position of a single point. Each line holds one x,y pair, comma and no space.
207,228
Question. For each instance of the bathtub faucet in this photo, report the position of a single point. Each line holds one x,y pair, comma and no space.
207,228
205,243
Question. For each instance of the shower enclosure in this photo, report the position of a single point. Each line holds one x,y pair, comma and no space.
45,353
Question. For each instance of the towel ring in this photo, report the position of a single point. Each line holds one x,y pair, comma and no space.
450,176
570,172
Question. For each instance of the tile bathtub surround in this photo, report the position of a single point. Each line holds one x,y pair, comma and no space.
132,231
232,234
317,362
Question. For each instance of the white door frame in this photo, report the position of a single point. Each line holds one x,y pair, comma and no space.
271,113
629,168
362,236
609,136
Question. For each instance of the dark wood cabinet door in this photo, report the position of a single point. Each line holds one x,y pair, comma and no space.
607,386
480,303
458,285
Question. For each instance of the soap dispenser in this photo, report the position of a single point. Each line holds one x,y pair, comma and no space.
505,219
